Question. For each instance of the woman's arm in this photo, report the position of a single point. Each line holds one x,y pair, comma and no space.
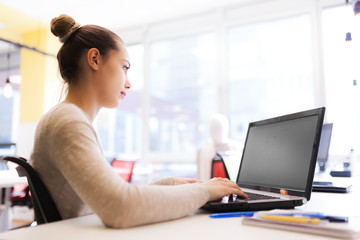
77,155
173,181
163,181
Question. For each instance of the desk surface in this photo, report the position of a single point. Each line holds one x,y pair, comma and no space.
196,226
9,178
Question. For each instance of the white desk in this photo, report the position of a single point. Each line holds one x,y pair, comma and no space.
197,226
8,178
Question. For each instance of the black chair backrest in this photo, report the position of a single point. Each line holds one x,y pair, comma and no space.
44,206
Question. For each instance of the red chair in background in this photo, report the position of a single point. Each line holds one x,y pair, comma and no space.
20,195
123,168
218,167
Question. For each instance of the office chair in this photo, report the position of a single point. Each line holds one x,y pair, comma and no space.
44,206
218,167
123,168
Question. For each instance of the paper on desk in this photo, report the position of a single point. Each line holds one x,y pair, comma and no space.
350,230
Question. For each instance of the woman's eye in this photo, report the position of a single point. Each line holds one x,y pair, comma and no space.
126,68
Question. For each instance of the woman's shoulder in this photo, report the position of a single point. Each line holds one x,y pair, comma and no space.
66,111
63,114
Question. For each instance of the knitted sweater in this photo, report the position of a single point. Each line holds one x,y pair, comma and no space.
69,159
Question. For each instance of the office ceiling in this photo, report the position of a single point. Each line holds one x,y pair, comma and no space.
115,14
20,16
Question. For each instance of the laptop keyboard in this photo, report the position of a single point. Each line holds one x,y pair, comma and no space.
257,196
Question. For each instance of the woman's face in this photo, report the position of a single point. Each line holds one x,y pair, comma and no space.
112,79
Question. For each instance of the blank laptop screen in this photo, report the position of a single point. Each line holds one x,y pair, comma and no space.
279,154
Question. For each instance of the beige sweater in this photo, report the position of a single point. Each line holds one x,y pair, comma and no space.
69,159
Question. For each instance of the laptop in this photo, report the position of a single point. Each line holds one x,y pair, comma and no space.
324,146
324,182
278,163
332,186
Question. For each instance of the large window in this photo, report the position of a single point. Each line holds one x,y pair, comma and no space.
270,71
182,92
10,105
341,69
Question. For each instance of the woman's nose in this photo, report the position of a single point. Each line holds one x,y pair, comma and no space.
127,84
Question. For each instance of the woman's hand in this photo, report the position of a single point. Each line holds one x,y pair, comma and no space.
178,181
220,187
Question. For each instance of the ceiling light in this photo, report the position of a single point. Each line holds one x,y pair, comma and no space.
357,8
8,92
348,37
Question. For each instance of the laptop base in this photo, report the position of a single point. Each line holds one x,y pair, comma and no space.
218,207
321,186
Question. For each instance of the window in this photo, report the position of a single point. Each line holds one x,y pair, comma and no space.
6,118
10,107
341,68
182,92
270,71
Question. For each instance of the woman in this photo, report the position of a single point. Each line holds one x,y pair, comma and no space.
93,61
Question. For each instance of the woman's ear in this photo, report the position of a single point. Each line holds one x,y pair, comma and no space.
93,58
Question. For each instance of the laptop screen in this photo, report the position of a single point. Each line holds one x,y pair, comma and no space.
278,153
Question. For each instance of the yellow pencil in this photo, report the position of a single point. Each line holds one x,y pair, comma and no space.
292,219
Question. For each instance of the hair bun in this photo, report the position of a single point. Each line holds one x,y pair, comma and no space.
63,26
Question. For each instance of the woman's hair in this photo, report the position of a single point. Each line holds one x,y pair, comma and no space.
76,40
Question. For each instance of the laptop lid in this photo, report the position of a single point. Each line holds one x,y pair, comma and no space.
324,145
280,153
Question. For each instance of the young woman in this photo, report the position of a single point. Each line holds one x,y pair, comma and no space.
93,61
